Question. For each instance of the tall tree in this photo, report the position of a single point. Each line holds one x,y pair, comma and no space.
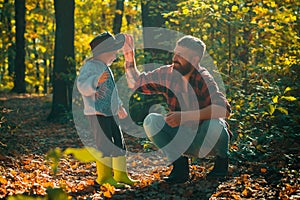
64,65
19,79
117,24
7,39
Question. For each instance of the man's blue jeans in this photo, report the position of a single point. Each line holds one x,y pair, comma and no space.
210,138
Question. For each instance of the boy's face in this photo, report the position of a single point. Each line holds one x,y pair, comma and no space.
109,57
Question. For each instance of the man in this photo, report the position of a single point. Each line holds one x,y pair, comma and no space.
195,125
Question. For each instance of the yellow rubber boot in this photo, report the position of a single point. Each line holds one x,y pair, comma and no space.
120,171
104,172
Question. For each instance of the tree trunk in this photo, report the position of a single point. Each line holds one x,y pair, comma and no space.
6,18
19,78
118,16
64,64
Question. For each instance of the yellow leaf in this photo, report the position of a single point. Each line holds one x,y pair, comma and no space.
283,110
275,99
43,49
271,109
287,90
108,190
234,8
3,181
30,66
107,194
273,4
225,3
206,25
245,192
32,55
289,98
260,148
245,9
119,12
216,7
146,146
293,18
185,11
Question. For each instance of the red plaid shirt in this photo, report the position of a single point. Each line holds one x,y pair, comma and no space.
203,92
169,82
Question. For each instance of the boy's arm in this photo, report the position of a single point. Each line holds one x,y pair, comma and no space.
132,73
89,79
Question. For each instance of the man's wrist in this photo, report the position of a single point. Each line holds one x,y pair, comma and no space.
129,64
191,115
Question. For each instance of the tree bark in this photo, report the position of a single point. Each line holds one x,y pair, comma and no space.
19,78
118,16
64,64
6,18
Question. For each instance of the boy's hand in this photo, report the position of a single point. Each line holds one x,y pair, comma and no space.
173,119
122,112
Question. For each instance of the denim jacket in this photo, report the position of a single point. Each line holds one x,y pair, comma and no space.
98,99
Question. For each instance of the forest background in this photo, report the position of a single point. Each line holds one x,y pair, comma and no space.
254,44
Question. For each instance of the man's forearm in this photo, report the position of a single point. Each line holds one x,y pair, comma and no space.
210,112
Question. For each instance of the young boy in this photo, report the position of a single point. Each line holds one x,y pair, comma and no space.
101,104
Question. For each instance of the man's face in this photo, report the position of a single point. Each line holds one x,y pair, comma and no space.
183,59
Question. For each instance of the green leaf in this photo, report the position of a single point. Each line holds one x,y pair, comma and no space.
87,154
56,193
54,155
289,98
283,110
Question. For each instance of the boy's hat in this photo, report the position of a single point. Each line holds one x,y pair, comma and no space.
106,42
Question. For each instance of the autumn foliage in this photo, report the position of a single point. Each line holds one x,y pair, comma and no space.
253,44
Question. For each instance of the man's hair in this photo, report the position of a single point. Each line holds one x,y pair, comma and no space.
193,43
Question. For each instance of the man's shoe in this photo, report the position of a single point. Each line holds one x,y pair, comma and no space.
180,171
220,169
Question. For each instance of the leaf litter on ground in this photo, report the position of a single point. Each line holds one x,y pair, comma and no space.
24,170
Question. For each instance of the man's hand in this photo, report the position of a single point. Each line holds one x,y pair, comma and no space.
173,119
128,48
103,77
122,113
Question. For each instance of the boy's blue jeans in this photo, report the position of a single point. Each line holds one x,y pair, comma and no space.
209,138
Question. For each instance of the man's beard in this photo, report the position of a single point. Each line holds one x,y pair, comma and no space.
183,69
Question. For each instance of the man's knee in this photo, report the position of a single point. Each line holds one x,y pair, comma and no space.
153,123
217,126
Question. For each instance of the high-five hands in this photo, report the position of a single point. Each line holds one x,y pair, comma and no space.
128,48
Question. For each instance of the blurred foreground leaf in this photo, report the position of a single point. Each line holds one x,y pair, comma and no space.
86,154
